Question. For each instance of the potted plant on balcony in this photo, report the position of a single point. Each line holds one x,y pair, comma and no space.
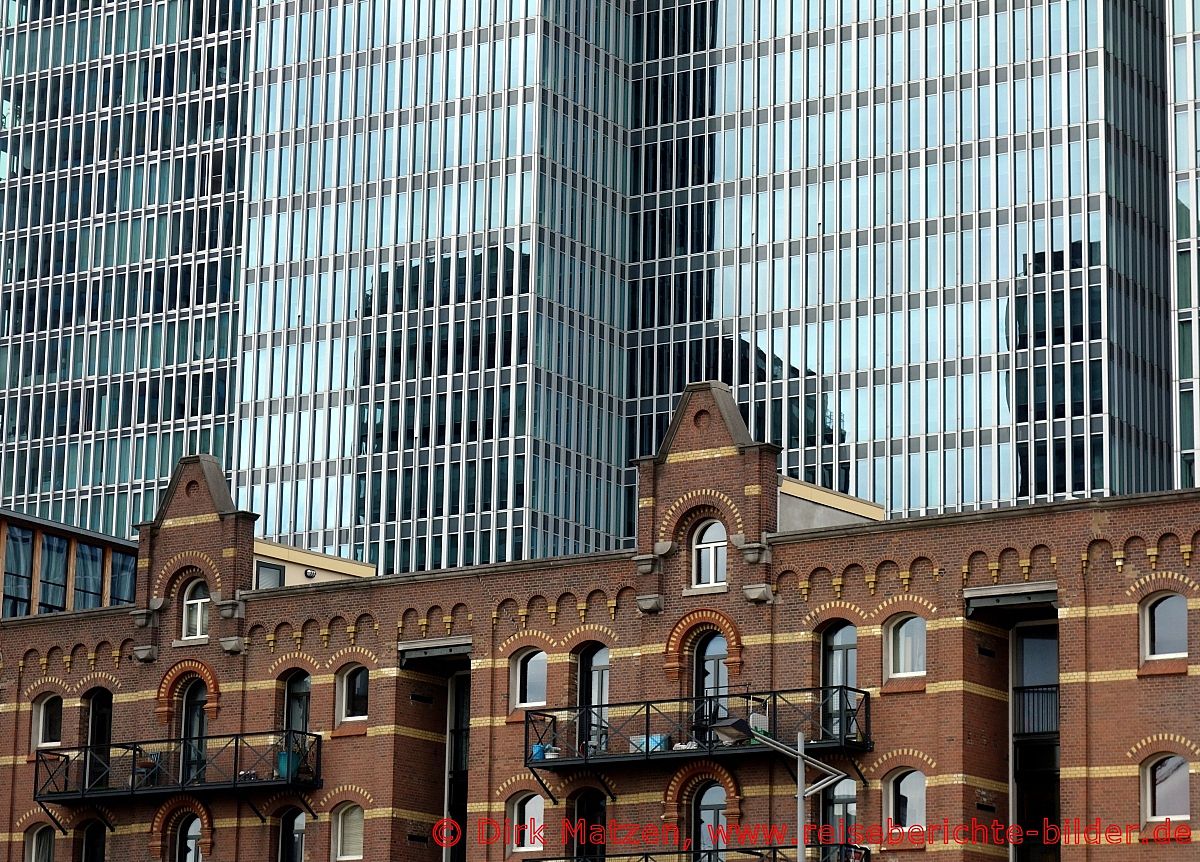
291,759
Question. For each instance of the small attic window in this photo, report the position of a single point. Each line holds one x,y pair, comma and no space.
709,554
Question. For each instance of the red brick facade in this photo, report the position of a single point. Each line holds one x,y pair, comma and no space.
1118,711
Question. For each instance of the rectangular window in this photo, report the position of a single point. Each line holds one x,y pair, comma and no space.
89,576
268,576
52,591
121,590
18,573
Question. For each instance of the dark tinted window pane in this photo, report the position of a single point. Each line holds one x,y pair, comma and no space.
1168,626
52,594
124,567
18,574
89,576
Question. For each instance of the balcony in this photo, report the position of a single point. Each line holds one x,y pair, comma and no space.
244,761
831,718
1035,710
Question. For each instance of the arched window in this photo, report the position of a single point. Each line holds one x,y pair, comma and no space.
353,689
589,807
528,813
708,820
710,682
709,547
99,706
529,678
906,646
297,690
592,696
906,799
47,721
291,836
840,808
196,602
93,841
187,840
839,667
39,844
193,731
1165,788
1164,626
348,833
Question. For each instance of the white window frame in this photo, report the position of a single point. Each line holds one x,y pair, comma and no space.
889,646
705,571
39,720
1145,617
200,607
519,818
889,798
1148,789
35,839
336,848
518,673
343,694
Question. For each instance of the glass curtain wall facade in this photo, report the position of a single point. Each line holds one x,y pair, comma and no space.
1184,55
431,345
120,167
924,241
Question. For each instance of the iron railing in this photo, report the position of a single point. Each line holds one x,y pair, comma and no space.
831,717
271,759
1035,709
828,853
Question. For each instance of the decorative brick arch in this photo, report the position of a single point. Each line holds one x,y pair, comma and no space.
169,815
172,569
694,503
168,689
684,783
693,624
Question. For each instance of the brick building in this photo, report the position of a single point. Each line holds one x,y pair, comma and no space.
252,702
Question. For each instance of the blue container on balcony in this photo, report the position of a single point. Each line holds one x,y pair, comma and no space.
287,765
537,751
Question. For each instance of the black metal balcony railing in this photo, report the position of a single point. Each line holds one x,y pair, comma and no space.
271,759
827,853
831,717
1035,710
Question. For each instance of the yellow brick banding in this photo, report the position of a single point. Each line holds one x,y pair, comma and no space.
192,520
702,454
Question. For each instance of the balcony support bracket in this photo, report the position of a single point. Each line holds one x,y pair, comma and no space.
55,820
866,784
603,783
254,808
307,807
538,779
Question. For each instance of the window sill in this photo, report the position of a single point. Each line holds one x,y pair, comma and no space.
1168,830
1177,666
186,642
349,728
903,685
904,848
517,714
706,590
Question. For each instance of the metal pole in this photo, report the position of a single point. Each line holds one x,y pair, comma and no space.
801,789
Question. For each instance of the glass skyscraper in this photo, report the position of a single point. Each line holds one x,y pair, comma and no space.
120,167
1184,58
488,242
435,300
924,241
